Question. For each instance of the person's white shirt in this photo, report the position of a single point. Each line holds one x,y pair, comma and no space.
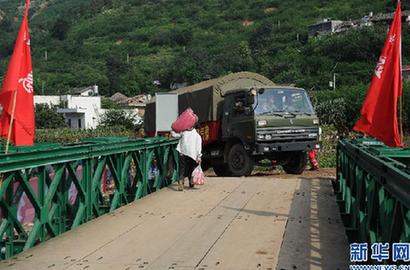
190,143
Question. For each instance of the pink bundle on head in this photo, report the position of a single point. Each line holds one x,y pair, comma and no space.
185,121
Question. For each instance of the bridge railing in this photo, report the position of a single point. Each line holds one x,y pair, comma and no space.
48,189
373,191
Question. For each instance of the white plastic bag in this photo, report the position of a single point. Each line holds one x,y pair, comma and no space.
198,177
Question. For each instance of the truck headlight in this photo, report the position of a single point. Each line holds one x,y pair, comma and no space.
262,123
315,121
312,135
261,137
268,137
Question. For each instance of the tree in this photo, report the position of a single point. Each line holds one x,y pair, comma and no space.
116,68
246,56
120,118
60,29
48,117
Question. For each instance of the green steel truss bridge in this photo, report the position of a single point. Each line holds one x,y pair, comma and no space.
85,206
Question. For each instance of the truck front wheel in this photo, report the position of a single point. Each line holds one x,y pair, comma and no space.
222,170
296,163
240,162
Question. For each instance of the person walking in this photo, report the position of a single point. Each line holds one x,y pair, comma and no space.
190,152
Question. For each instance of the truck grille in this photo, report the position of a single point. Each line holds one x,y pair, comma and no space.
287,134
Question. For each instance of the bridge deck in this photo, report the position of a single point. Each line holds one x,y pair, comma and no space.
230,223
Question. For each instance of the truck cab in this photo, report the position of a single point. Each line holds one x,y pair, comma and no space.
275,123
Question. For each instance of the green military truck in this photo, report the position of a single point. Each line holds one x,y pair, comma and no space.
245,118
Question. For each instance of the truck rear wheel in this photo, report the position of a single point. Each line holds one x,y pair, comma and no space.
296,163
240,162
222,170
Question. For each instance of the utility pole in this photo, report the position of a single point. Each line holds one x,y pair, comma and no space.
333,83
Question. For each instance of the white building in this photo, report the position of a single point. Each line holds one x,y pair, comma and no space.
81,111
49,100
78,111
88,91
326,26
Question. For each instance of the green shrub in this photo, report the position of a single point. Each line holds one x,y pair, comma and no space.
339,108
67,135
121,118
48,117
327,154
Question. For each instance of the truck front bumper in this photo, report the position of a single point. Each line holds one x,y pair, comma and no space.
262,148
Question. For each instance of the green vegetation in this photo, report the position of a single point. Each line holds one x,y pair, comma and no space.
48,117
327,154
120,118
67,135
126,45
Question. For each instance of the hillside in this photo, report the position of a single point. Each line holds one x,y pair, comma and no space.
124,45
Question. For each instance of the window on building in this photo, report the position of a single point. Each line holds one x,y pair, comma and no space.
69,123
79,123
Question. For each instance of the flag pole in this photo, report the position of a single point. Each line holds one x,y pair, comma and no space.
11,121
401,117
401,82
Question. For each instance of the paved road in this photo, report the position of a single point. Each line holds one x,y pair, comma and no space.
230,223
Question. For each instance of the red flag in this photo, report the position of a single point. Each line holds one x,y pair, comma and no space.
19,77
379,111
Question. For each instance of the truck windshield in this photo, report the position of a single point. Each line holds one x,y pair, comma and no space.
282,101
